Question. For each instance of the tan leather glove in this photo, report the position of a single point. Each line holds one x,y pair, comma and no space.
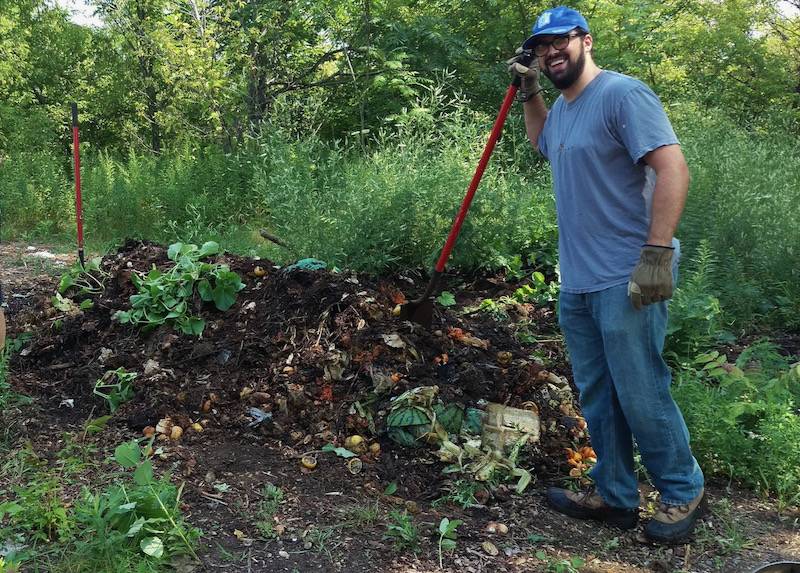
528,75
651,280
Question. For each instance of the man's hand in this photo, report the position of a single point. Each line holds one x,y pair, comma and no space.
528,75
651,280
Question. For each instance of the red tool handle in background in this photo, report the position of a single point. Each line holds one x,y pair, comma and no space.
78,206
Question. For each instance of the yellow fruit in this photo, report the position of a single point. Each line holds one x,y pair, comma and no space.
396,310
309,462
259,271
355,444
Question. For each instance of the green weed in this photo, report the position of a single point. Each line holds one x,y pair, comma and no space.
447,536
461,493
360,514
12,346
403,532
555,565
164,297
116,386
84,280
272,497
742,418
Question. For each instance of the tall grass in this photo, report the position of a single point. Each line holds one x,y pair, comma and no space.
745,203
390,205
394,207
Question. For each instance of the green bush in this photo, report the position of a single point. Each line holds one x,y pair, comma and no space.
743,420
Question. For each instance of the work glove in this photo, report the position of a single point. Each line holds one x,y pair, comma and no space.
528,75
651,280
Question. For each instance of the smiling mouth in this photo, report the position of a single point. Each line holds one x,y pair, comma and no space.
557,64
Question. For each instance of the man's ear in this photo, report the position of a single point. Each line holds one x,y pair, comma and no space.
588,42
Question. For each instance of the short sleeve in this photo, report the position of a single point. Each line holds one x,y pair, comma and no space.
642,124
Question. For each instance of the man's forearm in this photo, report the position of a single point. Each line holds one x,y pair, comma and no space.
669,198
535,114
669,195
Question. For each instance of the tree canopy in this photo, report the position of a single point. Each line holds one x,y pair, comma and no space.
159,73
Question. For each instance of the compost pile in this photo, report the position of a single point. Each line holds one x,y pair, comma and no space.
307,364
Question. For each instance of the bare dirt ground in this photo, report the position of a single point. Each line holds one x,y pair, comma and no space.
318,350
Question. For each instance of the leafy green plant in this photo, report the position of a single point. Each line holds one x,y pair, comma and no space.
164,297
404,533
461,493
12,346
554,565
695,315
267,508
539,291
447,536
38,512
743,419
116,386
446,299
150,517
86,280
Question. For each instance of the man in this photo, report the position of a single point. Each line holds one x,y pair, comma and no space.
620,183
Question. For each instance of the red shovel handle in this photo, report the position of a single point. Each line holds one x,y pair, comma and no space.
476,179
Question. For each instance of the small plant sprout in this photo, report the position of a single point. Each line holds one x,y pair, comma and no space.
447,536
116,386
403,532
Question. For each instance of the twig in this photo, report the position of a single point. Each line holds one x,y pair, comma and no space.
273,238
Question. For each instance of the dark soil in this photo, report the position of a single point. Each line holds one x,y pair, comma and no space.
311,348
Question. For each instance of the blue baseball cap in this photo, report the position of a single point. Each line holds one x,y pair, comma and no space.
555,21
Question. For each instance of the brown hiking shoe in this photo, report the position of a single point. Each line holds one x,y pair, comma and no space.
674,523
587,504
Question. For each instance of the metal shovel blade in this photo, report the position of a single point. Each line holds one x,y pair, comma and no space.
419,311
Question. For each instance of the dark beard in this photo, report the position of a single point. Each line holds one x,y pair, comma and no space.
571,75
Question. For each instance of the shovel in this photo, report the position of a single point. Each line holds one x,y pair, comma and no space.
421,309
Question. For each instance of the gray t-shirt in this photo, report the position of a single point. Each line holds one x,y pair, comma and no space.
603,189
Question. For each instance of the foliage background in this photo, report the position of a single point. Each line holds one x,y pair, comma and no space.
350,129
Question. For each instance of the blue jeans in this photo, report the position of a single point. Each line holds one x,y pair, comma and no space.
624,387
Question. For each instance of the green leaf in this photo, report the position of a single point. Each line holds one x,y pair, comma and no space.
224,297
342,452
205,290
128,454
144,473
136,526
152,546
193,325
209,248
446,299
390,489
448,543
